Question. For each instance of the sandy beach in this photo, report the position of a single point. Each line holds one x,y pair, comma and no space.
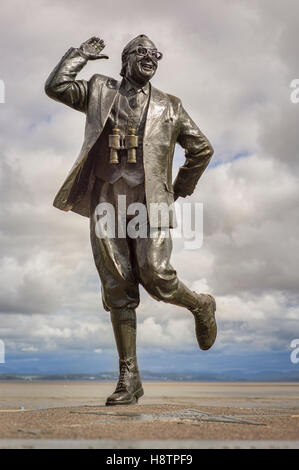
65,411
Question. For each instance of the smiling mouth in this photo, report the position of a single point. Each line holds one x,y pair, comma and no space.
147,66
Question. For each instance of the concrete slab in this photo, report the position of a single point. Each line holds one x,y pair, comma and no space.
144,444
179,415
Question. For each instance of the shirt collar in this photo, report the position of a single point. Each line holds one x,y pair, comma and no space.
127,86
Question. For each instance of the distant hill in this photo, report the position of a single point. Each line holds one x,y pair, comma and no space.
228,376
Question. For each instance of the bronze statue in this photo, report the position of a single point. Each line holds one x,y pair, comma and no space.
130,136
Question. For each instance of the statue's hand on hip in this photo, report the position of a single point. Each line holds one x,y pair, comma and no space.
92,48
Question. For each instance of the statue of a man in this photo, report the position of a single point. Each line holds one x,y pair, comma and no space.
130,136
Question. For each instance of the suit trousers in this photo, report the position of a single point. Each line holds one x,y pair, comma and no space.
124,263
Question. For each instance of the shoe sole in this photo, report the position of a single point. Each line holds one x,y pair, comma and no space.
213,302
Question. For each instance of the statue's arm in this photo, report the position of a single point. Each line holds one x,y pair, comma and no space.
198,153
62,85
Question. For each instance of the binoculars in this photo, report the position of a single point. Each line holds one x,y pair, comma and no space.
119,142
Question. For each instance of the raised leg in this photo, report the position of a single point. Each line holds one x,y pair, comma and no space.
160,280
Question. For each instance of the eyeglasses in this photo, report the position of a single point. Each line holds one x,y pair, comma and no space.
144,51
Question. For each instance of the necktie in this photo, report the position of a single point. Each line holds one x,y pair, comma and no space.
134,100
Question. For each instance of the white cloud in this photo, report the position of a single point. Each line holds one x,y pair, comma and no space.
231,63
29,349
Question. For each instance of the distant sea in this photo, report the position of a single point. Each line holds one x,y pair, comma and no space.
229,376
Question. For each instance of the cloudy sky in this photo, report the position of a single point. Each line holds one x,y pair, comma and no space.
231,62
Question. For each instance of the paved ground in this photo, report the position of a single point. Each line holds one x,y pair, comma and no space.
150,444
171,415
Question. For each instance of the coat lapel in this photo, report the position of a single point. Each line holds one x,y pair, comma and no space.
106,100
157,106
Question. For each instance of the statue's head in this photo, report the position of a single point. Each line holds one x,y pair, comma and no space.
140,59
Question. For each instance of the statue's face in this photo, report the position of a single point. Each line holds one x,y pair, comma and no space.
141,68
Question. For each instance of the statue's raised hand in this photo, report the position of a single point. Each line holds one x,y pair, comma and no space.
92,48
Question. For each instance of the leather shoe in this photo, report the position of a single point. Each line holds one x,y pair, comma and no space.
205,323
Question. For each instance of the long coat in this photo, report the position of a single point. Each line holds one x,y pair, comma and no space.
167,123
